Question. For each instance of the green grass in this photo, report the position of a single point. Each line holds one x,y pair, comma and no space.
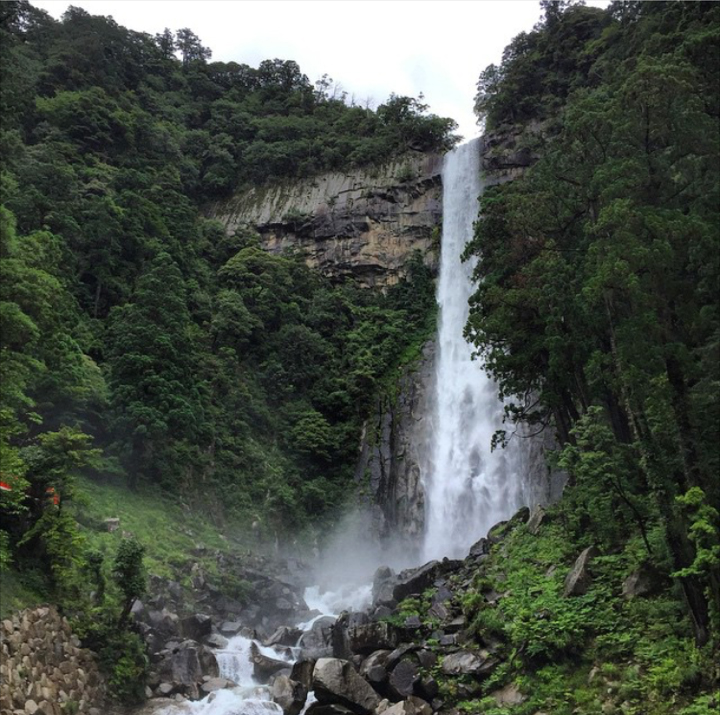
168,529
17,591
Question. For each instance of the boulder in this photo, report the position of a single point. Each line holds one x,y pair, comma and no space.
163,622
196,627
644,581
318,708
288,694
374,669
215,640
284,635
498,532
302,671
537,516
264,666
317,642
383,582
403,677
369,637
415,581
464,662
480,549
509,695
336,681
230,628
411,706
578,580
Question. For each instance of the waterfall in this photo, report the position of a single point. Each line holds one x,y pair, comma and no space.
468,487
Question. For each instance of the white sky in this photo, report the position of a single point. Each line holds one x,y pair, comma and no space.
370,47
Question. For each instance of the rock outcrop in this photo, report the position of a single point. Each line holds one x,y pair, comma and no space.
363,223
44,670
393,452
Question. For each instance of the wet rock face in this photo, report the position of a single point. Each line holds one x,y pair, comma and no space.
42,666
363,223
393,449
336,681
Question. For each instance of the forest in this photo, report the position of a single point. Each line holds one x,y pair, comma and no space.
140,343
597,302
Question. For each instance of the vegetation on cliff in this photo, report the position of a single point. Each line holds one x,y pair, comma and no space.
597,305
140,344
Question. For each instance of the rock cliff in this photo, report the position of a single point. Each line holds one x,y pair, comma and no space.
363,223
393,452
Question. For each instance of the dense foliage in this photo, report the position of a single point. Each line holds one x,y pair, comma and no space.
140,344
597,309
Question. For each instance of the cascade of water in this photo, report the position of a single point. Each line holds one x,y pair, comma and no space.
468,487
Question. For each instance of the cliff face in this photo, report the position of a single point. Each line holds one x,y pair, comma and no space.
363,224
393,452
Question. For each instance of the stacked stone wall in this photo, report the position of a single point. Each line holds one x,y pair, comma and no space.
44,670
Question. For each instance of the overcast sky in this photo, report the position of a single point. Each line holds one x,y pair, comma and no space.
370,47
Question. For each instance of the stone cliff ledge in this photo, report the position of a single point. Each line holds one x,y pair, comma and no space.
363,223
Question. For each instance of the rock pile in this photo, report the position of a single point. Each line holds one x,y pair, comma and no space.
44,670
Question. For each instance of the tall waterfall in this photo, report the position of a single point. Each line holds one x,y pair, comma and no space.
468,487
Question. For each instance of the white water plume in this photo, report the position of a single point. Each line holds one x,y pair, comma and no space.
468,487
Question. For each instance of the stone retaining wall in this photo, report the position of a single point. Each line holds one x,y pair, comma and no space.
44,670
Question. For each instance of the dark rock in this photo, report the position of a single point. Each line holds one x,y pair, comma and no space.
284,636
480,548
264,666
503,528
289,694
447,639
335,681
175,590
375,662
411,706
302,671
396,656
412,623
187,664
215,640
196,627
341,632
327,709
578,580
463,662
439,611
442,594
163,622
537,517
230,628
317,642
427,687
456,625
427,658
370,637
415,581
403,677
644,581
